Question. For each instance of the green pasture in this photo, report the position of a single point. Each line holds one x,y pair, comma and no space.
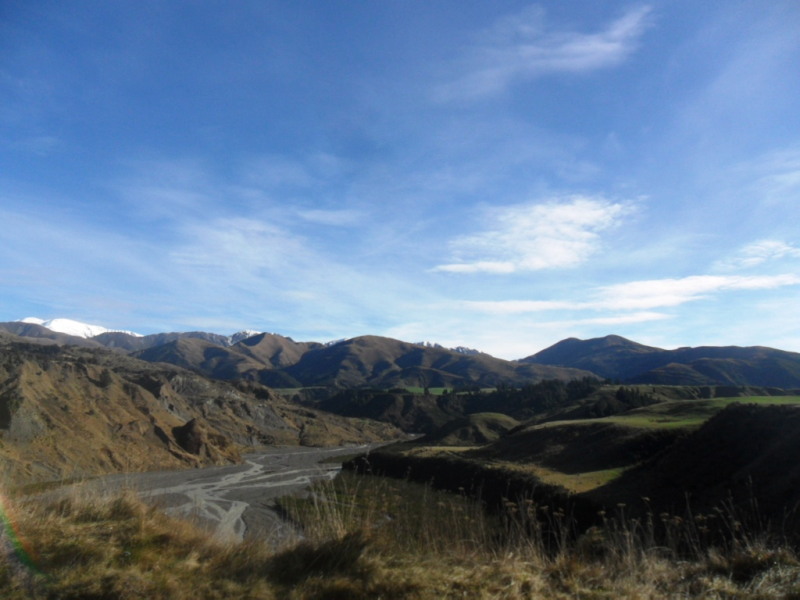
688,413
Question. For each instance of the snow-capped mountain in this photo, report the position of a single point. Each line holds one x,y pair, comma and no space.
75,328
84,330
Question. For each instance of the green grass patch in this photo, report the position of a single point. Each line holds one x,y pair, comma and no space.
761,400
682,413
574,482
434,391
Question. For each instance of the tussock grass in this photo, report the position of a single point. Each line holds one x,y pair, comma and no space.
371,538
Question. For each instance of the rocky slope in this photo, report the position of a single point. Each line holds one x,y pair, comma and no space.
68,411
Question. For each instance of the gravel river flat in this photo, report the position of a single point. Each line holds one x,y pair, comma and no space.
235,501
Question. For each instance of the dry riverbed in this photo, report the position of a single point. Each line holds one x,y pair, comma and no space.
235,501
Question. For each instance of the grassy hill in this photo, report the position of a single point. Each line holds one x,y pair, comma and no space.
413,413
744,455
427,412
736,450
474,429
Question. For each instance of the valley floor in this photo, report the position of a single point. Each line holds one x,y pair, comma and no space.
234,501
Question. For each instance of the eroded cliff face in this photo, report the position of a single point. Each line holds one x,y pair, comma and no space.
69,412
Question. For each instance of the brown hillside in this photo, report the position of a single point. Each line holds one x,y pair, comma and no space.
73,412
385,363
204,357
274,350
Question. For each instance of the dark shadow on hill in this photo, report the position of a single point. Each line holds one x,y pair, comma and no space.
745,458
578,448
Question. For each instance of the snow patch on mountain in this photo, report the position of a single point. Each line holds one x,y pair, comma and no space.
459,349
242,335
75,328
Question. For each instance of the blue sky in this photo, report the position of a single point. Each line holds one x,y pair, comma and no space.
500,175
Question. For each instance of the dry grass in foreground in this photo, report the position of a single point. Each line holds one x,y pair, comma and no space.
371,539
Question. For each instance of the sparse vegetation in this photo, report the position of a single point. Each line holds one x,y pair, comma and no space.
368,538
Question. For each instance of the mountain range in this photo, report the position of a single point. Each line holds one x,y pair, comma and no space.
614,357
373,361
278,361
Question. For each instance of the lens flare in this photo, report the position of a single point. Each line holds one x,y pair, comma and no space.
11,541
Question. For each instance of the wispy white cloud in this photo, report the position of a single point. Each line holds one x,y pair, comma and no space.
75,267
277,172
530,237
167,189
506,336
237,249
778,177
280,172
758,253
337,218
513,307
655,293
519,307
266,272
481,266
520,47
624,319
640,296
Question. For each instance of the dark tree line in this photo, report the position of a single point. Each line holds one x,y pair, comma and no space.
520,402
526,400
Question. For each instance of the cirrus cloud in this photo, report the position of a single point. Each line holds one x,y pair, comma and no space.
519,47
532,237
641,295
760,252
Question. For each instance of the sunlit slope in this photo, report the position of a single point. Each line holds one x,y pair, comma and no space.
70,411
